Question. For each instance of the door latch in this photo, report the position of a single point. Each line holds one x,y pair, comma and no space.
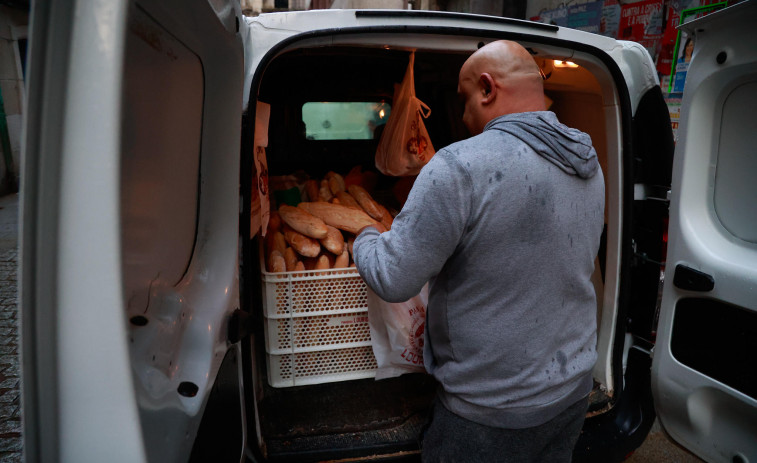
692,280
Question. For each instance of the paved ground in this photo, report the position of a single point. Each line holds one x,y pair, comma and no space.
656,449
10,404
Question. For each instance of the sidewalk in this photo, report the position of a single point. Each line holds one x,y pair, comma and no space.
10,404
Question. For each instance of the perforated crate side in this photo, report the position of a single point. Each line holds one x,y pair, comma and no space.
319,332
318,292
321,367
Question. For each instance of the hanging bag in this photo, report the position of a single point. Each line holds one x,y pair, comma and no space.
405,147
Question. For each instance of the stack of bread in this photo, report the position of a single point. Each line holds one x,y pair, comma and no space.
318,233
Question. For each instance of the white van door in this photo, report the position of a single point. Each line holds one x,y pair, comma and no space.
129,224
704,377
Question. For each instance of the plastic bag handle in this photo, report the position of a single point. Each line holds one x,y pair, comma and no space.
422,107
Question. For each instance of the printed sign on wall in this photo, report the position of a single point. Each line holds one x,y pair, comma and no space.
642,22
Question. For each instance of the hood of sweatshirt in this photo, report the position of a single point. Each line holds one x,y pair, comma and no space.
568,148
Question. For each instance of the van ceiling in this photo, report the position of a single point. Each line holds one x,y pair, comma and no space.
352,74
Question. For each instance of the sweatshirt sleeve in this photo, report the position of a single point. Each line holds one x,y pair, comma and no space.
396,264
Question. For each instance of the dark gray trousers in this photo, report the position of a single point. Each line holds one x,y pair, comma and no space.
453,439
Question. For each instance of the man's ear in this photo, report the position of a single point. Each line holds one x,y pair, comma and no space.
487,87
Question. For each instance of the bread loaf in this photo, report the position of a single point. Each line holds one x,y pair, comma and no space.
343,259
346,199
324,192
311,190
290,258
303,222
336,182
386,219
304,245
366,201
350,242
275,242
276,262
274,222
322,263
339,216
334,241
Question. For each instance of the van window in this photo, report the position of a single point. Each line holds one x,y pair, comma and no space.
735,191
343,120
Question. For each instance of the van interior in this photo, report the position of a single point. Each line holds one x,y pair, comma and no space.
312,420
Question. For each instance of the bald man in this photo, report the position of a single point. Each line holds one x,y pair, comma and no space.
505,226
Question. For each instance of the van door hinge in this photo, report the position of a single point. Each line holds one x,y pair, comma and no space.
643,192
240,326
642,256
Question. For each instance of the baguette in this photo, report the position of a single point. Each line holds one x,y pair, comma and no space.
300,267
338,216
349,244
334,241
275,242
324,192
303,222
276,262
323,263
336,182
279,242
343,259
274,222
346,199
386,219
366,202
304,245
311,189
290,257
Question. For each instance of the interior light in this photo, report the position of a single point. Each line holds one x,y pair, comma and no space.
565,64
381,114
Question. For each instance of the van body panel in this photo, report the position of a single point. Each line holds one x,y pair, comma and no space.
192,54
74,335
704,370
144,227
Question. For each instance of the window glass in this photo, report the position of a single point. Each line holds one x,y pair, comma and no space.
343,120
735,188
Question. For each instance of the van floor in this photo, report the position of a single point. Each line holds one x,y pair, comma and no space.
333,420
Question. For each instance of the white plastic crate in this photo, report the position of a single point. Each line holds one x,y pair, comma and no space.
321,366
306,334
316,326
313,292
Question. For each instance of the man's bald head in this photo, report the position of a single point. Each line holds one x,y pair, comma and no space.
500,78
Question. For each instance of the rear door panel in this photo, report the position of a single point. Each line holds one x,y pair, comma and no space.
705,361
129,224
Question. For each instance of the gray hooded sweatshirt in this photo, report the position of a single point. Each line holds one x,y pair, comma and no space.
505,227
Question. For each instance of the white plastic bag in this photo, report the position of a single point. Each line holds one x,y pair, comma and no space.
397,333
405,147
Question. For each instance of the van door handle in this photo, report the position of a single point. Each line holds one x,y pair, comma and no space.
692,280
